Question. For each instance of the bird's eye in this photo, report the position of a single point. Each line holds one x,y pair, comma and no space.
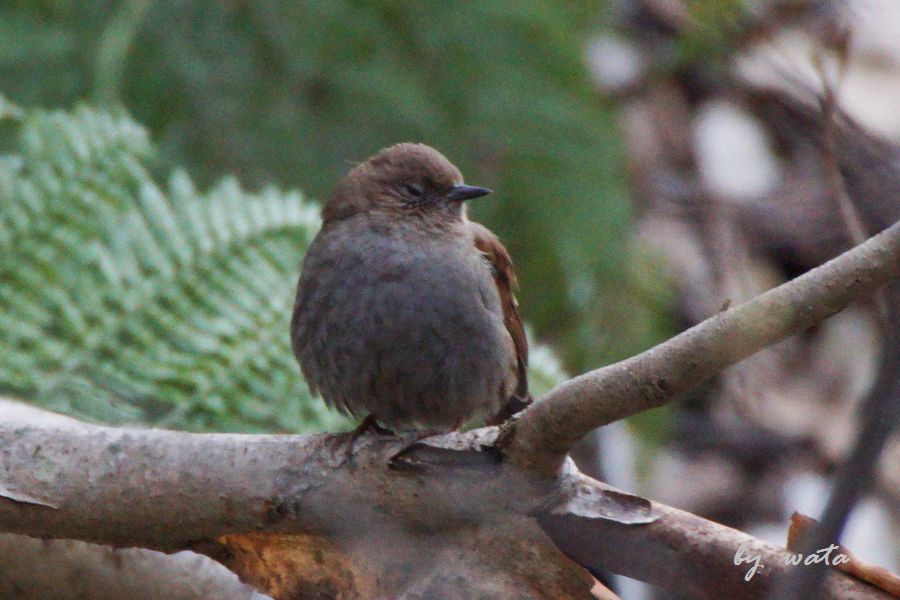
414,189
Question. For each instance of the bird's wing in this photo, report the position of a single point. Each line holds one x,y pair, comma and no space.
505,279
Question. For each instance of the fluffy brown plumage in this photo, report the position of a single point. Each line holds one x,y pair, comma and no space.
405,309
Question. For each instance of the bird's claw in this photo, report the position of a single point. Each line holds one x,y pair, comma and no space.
369,425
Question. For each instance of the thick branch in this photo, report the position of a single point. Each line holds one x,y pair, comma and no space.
166,490
547,430
170,490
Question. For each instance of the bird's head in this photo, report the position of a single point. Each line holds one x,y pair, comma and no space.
404,180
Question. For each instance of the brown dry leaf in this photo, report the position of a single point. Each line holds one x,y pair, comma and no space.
874,575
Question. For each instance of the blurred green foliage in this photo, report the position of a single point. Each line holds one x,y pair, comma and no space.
293,93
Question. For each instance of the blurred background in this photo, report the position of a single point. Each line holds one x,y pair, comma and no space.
653,160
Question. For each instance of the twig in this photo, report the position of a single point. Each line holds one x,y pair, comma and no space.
880,417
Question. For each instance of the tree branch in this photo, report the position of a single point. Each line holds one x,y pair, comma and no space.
454,508
546,431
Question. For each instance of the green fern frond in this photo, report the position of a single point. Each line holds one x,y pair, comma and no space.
123,301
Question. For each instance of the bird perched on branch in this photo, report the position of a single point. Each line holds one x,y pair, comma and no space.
405,312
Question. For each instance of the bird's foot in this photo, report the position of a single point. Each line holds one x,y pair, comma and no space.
369,425
411,438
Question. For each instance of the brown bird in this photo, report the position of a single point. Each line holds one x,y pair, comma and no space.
405,311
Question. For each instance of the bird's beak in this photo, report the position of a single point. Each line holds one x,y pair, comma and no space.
459,193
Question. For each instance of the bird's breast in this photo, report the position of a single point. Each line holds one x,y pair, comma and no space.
380,318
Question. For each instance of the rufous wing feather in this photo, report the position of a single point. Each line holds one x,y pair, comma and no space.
505,279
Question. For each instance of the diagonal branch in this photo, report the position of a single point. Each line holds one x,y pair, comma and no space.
686,554
549,428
